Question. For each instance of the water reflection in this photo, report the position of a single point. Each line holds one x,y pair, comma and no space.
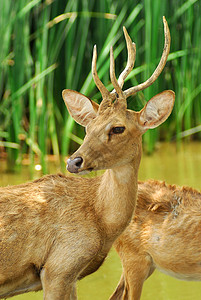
175,166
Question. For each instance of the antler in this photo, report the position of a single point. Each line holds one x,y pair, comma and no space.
157,72
131,47
116,85
104,91
108,97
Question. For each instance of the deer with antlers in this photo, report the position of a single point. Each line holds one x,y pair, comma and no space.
58,229
164,234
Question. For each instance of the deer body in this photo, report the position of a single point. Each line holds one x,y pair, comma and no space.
164,234
57,229
34,230
57,221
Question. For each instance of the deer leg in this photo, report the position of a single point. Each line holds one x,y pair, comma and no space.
136,270
62,268
58,286
118,293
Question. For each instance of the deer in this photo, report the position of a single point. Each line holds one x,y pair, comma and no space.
58,229
164,234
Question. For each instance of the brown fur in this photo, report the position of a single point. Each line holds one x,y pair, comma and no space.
39,227
165,233
56,230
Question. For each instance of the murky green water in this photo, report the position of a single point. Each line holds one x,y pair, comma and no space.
182,167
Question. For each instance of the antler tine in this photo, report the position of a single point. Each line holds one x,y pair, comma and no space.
159,68
104,92
113,77
131,47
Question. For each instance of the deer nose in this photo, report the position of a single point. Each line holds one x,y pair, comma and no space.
73,165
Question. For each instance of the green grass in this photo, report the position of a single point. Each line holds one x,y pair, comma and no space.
46,46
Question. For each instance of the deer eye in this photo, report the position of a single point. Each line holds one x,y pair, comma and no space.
117,130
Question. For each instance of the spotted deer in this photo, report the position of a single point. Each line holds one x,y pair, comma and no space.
58,229
164,234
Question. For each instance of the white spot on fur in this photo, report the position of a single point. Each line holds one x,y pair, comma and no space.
108,127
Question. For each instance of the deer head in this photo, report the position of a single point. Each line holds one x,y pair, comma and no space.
113,132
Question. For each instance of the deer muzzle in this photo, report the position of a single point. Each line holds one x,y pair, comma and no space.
73,165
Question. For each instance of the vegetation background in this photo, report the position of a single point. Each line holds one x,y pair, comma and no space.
46,46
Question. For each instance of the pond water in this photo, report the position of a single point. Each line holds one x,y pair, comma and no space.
181,166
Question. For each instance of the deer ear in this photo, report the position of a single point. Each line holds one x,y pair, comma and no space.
157,110
81,108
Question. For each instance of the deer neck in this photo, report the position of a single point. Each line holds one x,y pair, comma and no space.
117,195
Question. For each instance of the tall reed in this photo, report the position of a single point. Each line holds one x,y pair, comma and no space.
46,46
